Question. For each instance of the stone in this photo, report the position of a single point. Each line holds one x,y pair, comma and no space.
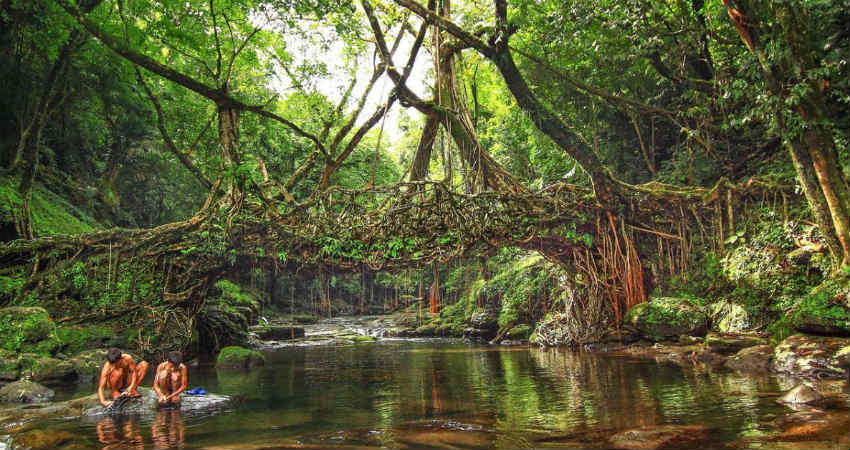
666,317
807,321
810,356
802,394
147,403
755,359
52,370
729,343
234,357
87,364
728,317
483,324
25,391
278,332
42,439
661,437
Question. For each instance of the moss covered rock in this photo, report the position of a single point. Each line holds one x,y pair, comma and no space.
667,317
810,356
755,359
87,364
821,314
52,370
728,317
21,325
234,357
25,391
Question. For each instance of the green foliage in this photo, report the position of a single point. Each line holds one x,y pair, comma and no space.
233,294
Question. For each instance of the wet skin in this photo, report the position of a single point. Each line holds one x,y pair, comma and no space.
121,377
169,382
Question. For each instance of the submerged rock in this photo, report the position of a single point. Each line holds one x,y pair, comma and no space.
234,357
802,394
666,317
25,391
809,356
756,359
42,439
662,437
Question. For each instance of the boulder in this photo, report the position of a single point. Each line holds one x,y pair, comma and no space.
25,391
811,321
810,356
666,317
147,403
87,364
728,343
52,370
802,394
278,332
756,359
32,322
661,437
234,357
728,317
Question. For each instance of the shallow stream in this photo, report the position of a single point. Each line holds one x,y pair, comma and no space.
444,394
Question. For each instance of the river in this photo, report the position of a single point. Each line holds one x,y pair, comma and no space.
445,394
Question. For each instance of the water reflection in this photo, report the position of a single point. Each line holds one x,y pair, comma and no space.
121,432
125,432
412,395
168,429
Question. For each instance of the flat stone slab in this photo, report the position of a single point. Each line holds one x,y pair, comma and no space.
89,406
278,332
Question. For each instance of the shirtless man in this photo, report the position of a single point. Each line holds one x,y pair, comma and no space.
121,375
170,379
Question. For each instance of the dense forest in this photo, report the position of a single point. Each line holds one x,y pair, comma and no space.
177,169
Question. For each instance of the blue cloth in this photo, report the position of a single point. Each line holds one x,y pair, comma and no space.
197,391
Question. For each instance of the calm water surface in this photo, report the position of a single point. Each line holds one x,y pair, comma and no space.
404,394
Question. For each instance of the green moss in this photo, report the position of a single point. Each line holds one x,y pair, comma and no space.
23,327
239,357
51,214
362,338
74,339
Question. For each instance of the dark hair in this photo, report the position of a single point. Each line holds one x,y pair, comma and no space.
113,355
175,358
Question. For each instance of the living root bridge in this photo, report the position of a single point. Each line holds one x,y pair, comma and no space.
396,227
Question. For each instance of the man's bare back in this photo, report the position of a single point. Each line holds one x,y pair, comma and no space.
121,375
170,379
